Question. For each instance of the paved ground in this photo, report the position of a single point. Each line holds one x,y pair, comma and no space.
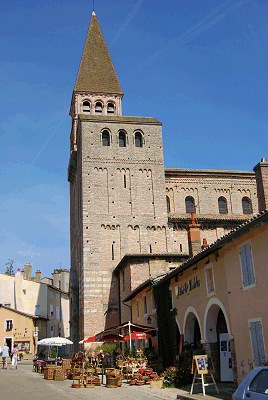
23,384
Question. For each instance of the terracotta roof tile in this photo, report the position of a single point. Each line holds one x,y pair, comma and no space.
96,72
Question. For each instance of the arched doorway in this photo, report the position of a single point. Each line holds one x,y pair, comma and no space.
192,331
217,334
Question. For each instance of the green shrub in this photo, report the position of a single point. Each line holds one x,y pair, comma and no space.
177,377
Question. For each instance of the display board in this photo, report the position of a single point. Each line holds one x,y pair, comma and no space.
202,364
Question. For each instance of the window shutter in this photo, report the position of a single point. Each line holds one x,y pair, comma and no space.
242,252
249,264
254,344
260,344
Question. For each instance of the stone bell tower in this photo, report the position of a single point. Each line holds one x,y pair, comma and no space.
117,188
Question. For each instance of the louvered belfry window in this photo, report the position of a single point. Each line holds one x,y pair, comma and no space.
189,205
246,206
222,205
86,107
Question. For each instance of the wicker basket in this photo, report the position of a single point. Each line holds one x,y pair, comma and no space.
158,384
111,382
66,364
59,375
49,373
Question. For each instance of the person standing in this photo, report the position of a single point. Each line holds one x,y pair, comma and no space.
5,354
15,356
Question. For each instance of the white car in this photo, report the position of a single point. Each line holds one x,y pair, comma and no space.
254,386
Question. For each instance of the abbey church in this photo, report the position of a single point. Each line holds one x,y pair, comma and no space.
125,206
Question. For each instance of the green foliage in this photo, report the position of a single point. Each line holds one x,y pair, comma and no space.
177,377
20,356
53,352
165,321
106,347
9,267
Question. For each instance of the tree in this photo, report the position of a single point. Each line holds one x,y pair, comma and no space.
9,267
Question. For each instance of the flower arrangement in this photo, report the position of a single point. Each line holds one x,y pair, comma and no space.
176,377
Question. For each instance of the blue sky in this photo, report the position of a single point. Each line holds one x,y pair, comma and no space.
200,67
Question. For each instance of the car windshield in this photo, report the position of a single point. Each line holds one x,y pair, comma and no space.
260,383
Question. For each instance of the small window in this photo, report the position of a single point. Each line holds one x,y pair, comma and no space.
39,326
86,107
189,205
57,312
51,310
57,296
138,310
9,325
256,335
122,139
125,181
51,331
112,251
168,204
123,280
105,138
210,280
153,302
150,249
37,310
98,108
222,205
247,265
138,139
24,291
51,294
246,206
144,300
110,109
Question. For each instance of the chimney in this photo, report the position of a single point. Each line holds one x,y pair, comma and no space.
27,271
194,240
261,173
38,276
23,273
205,244
56,279
65,278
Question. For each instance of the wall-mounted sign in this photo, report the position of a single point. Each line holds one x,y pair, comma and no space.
187,287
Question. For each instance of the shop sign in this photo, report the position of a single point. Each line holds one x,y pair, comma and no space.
187,287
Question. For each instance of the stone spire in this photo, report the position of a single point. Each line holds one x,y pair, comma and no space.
96,72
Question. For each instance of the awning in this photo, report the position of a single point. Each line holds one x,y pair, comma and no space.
138,335
127,328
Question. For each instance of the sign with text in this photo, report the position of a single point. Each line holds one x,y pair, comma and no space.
187,287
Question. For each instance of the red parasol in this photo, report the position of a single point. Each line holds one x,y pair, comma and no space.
138,335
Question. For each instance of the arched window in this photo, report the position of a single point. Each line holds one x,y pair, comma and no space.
189,205
138,139
246,206
86,107
168,204
122,139
110,109
105,138
98,108
222,205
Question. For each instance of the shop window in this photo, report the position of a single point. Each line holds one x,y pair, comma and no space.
144,300
9,325
210,280
247,265
257,343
